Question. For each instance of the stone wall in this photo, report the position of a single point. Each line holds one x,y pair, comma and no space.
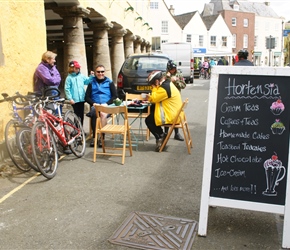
23,41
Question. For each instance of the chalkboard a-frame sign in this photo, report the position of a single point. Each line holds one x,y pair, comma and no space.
247,143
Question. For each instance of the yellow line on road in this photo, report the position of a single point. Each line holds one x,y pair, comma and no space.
18,188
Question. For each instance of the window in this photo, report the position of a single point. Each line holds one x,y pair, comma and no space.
188,38
245,41
156,43
236,7
213,41
256,41
200,41
234,40
246,22
154,5
224,41
164,27
234,21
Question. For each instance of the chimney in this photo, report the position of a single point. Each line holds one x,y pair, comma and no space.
171,9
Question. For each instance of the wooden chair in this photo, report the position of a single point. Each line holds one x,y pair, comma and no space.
121,129
179,122
109,120
134,115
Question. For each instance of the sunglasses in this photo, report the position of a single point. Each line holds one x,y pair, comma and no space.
101,71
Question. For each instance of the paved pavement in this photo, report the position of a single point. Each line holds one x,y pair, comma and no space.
86,202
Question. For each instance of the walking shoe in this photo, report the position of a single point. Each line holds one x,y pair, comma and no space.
100,143
67,151
178,137
92,143
159,142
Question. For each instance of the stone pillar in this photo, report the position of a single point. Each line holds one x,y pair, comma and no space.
117,51
129,44
101,50
137,44
148,48
74,41
143,46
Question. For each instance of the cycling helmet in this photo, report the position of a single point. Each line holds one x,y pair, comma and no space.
74,64
171,65
243,54
154,75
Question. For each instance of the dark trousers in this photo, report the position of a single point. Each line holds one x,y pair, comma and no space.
157,131
79,110
175,130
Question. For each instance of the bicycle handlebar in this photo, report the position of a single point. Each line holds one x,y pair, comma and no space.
18,98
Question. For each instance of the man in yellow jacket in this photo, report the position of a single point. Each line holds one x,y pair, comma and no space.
166,102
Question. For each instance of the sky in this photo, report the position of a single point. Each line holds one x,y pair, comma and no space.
183,6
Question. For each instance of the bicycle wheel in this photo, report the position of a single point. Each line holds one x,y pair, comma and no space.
44,150
78,146
11,129
23,139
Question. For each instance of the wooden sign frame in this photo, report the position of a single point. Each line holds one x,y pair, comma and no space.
206,199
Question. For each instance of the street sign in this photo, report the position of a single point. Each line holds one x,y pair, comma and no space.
199,50
286,32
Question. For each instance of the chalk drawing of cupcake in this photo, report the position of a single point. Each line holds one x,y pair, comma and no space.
277,107
277,127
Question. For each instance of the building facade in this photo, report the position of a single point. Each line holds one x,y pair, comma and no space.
90,32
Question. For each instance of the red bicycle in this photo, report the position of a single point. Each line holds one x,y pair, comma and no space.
67,130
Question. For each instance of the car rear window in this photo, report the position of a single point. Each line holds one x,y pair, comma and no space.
146,63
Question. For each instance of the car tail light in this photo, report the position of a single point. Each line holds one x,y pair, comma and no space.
191,64
120,83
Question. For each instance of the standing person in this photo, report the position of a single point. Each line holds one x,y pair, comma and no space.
177,79
166,100
46,75
222,61
243,61
212,63
206,67
101,91
74,88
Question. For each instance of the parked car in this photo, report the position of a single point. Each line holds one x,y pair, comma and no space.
133,74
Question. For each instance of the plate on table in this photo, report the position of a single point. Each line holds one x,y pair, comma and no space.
126,103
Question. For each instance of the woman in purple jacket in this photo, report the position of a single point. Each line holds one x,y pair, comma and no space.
46,75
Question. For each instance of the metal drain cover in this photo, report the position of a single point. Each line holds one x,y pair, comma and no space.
151,231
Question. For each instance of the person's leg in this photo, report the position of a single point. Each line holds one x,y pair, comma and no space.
157,131
79,110
177,136
93,125
104,123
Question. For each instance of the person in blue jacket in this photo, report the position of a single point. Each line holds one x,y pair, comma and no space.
74,88
101,91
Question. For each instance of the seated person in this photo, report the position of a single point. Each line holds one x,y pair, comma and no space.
166,100
101,91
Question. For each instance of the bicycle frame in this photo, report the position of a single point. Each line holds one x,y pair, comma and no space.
50,119
16,108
